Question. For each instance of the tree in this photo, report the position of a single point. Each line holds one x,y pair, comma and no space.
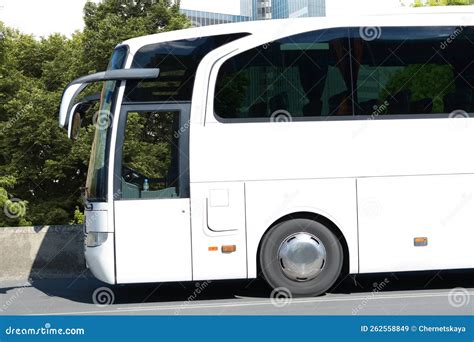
423,3
47,169
112,21
14,210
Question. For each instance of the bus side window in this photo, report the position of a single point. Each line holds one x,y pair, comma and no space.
303,75
413,70
150,156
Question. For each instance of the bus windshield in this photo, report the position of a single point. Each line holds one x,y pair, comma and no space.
96,183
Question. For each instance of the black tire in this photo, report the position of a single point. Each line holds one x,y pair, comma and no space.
273,272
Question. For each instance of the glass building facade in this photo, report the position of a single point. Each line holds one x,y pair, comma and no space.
200,18
260,10
298,8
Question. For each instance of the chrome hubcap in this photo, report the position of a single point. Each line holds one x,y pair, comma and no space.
302,256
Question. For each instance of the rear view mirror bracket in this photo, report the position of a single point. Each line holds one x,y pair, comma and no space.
78,85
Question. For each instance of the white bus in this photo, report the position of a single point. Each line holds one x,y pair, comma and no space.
300,150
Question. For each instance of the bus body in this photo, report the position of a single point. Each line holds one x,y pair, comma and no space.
300,150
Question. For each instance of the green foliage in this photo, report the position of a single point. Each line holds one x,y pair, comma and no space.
432,81
424,3
14,209
112,21
79,217
147,143
232,93
47,169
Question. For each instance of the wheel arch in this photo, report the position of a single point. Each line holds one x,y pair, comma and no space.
314,217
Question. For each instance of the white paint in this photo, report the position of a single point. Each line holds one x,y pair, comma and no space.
152,240
272,169
395,210
218,226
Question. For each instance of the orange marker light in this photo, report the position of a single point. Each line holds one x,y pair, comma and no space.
212,248
228,248
421,241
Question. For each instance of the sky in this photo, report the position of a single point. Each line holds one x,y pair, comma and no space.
220,6
43,17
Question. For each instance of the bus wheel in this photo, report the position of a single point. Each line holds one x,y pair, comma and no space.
302,257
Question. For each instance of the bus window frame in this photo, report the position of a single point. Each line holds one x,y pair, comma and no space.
184,108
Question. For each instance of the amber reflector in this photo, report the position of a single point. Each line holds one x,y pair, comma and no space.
421,241
228,248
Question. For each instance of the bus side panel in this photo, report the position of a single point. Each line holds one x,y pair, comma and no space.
394,211
218,220
268,201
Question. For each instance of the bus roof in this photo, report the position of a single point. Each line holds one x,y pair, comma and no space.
421,16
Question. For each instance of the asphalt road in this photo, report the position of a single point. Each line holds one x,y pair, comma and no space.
422,293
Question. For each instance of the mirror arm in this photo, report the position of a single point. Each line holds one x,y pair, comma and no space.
76,86
91,98
119,75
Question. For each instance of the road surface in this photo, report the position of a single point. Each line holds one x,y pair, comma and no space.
422,293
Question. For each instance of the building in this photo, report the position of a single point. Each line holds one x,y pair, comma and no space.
201,18
246,8
259,10
298,8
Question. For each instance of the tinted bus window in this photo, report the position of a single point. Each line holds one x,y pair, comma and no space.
303,75
178,61
413,70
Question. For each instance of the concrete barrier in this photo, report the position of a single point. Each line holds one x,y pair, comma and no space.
41,252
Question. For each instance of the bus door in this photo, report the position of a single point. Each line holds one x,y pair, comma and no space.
151,194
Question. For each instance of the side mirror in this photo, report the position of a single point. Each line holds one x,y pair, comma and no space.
67,100
77,114
75,122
